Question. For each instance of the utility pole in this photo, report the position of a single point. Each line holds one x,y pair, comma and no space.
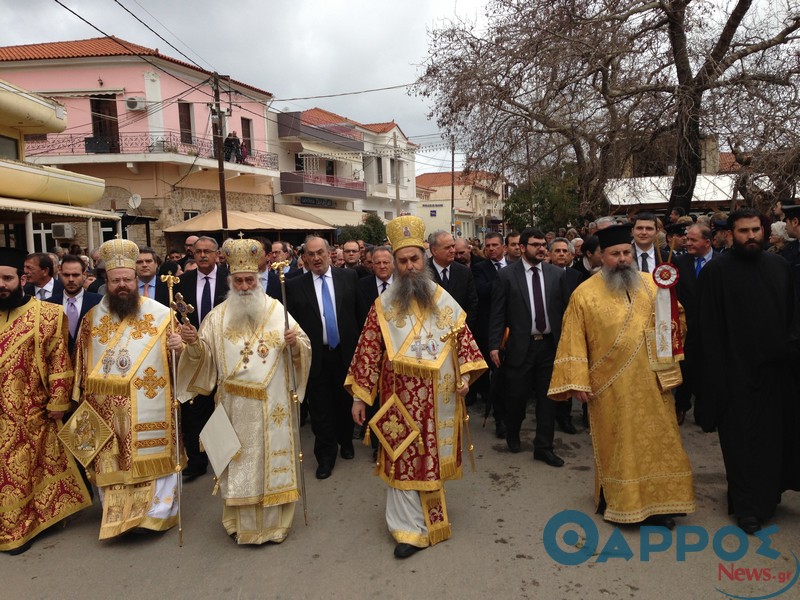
219,132
398,206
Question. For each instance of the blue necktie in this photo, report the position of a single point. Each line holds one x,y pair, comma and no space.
205,299
698,265
329,314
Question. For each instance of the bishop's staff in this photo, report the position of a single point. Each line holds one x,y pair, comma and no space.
171,280
278,268
452,337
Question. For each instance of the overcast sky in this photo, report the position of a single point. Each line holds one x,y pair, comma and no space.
291,48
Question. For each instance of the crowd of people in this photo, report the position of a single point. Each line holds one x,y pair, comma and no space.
393,343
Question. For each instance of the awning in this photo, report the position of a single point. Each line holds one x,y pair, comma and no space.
323,216
12,210
331,151
245,221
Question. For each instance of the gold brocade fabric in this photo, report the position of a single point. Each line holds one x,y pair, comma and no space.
39,482
641,468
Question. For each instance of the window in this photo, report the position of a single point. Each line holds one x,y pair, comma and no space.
185,122
388,215
247,134
190,214
393,175
299,163
8,148
379,168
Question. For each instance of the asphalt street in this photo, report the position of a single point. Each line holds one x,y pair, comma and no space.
497,549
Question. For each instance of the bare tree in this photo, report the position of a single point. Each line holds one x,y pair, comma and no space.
595,82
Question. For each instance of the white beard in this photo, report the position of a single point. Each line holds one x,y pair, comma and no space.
244,310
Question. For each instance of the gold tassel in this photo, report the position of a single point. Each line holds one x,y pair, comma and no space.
420,444
377,467
216,487
366,437
115,446
202,447
391,473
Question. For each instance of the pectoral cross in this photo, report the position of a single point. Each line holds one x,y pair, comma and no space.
417,346
180,306
246,353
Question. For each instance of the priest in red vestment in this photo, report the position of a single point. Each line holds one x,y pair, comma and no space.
417,353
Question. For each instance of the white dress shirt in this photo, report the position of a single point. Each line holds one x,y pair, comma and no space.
651,258
78,301
48,290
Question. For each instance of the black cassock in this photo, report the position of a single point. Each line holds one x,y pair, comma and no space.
749,373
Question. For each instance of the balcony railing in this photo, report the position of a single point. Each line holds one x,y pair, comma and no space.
59,144
331,180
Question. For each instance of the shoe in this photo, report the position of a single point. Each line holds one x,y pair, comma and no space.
500,430
749,525
347,452
566,426
191,475
681,415
27,546
405,550
512,440
549,457
324,471
660,521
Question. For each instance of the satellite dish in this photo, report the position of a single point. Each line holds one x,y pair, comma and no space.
135,201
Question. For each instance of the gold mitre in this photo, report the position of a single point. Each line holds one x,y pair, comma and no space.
119,253
405,231
242,256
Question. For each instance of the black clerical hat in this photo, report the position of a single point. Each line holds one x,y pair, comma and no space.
12,257
614,235
676,229
791,211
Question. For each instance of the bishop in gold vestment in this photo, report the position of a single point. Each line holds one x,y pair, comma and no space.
39,481
641,469
241,350
420,424
123,371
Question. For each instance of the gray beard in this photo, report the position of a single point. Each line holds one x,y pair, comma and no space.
123,308
412,285
622,279
245,309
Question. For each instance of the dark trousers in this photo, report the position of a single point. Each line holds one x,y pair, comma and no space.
331,407
194,416
533,375
497,391
564,410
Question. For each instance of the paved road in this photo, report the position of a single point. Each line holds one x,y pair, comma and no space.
498,516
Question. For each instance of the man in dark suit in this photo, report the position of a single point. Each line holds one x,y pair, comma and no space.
326,303
39,276
73,298
452,276
562,254
645,234
699,252
485,275
529,299
371,287
203,288
149,283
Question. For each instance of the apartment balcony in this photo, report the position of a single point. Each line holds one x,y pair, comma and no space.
301,183
67,145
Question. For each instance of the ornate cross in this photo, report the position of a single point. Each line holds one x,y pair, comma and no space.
417,346
246,353
180,306
447,387
393,428
150,382
142,327
105,330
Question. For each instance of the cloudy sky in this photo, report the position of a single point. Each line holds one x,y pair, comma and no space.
292,48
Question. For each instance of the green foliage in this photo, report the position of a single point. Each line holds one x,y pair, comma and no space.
551,203
372,231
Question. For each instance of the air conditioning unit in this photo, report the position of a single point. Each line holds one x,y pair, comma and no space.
136,103
63,231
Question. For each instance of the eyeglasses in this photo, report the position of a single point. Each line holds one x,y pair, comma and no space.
537,244
125,280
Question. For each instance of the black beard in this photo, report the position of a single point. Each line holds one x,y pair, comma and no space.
742,251
123,308
14,300
412,285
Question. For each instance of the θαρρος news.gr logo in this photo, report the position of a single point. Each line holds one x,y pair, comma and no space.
572,538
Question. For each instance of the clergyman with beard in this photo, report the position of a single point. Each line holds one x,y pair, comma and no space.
241,350
642,473
748,352
123,371
401,358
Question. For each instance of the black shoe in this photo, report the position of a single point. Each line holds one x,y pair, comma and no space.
27,546
566,426
405,550
512,440
660,521
680,415
500,430
192,474
749,525
347,452
324,471
549,457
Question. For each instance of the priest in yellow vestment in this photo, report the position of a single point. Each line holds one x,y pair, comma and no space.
402,355
641,470
241,350
123,372
39,482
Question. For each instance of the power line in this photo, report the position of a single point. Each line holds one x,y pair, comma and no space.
382,89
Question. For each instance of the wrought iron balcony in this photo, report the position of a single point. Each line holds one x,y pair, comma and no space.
60,144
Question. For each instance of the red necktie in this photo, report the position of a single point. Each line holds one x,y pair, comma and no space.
538,302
